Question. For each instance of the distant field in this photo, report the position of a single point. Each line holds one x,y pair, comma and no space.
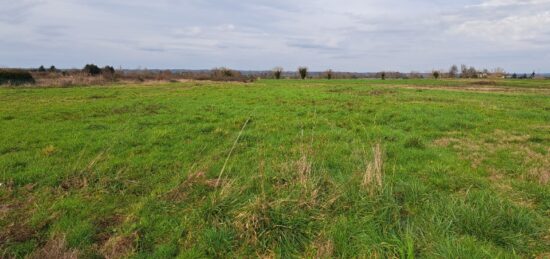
315,168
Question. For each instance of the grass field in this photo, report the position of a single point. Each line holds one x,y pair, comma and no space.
315,168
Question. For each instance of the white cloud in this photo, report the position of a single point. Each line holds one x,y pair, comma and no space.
532,29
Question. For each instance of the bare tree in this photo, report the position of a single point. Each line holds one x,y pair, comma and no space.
278,72
498,72
329,74
468,72
453,71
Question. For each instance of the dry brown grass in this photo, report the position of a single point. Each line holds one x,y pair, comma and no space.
71,79
120,246
477,151
303,167
323,247
181,191
49,150
55,248
373,175
252,219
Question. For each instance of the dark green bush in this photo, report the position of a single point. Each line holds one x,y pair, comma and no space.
108,69
302,71
15,77
92,70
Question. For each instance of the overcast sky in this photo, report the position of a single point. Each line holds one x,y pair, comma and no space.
345,35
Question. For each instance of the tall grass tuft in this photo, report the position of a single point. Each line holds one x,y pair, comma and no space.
372,178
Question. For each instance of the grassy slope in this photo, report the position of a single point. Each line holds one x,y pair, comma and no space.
130,170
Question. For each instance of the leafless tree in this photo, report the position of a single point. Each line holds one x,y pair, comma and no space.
329,74
278,72
453,71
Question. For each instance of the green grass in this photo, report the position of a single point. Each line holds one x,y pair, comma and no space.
131,170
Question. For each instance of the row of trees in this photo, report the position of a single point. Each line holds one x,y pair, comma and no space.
90,69
302,73
453,72
467,72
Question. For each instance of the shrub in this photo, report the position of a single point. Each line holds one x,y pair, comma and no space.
108,69
15,77
277,72
383,75
302,71
41,69
53,69
223,72
435,74
108,72
91,69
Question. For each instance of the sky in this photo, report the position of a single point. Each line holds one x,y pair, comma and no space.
345,35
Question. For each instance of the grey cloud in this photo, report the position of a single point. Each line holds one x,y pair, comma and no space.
358,35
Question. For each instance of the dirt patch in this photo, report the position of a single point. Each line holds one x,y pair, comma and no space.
106,225
487,82
541,174
16,232
324,247
74,183
381,92
445,142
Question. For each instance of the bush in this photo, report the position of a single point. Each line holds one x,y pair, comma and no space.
453,71
302,71
108,69
92,70
225,74
15,77
436,74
